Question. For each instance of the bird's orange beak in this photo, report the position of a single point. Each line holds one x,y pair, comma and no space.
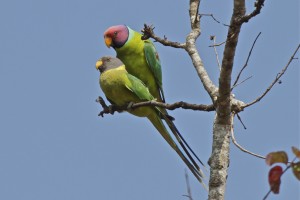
108,41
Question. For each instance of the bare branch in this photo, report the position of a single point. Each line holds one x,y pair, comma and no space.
246,64
112,108
194,14
189,192
212,16
240,147
176,105
149,33
258,6
279,75
215,49
216,45
237,84
240,119
220,44
223,108
193,52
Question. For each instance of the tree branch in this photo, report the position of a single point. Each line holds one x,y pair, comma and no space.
213,38
212,16
184,105
193,52
189,191
237,84
246,64
149,33
279,75
219,159
240,147
224,108
258,6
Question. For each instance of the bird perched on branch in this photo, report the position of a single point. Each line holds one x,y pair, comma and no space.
122,88
139,56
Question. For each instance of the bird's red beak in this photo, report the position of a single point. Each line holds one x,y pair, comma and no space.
108,41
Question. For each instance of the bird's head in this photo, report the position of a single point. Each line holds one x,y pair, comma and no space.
107,62
116,36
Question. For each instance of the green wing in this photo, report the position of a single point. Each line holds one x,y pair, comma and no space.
153,62
138,88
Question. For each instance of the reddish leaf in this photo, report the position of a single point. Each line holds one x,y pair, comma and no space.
296,151
296,169
274,179
277,157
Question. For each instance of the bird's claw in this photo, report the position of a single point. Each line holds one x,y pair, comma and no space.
107,109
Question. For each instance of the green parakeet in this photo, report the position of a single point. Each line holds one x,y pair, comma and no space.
142,61
122,88
139,56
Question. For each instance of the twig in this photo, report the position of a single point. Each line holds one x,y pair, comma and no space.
217,45
258,6
279,75
215,49
246,63
189,192
287,167
266,196
228,40
240,147
149,33
112,108
237,84
240,119
212,16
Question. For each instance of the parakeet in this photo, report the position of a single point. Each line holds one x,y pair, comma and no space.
142,61
122,88
139,56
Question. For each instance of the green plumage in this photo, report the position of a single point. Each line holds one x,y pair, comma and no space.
142,60
121,88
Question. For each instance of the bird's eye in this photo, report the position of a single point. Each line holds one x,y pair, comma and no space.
115,33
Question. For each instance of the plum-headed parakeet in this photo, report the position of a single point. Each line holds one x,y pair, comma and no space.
122,88
139,56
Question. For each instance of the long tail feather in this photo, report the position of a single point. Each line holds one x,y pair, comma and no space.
194,168
181,139
169,120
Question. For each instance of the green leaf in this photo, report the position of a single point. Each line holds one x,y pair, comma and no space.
276,157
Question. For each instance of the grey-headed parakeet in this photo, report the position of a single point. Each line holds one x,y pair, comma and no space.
122,88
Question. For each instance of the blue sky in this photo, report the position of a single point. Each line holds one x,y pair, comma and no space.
54,146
